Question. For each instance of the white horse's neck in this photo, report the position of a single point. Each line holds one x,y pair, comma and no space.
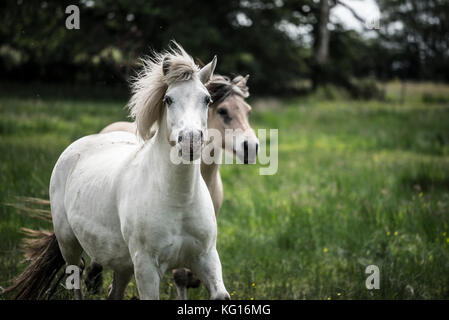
179,181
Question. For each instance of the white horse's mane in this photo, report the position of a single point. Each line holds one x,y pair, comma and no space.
159,71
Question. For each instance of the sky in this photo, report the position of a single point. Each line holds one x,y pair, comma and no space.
367,9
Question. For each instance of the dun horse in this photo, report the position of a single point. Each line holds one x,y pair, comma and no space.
126,204
228,110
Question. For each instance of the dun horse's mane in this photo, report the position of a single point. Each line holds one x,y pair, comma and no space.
220,87
150,84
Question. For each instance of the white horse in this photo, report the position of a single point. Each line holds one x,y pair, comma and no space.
228,110
126,204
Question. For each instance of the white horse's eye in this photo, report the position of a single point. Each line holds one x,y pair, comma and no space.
167,100
207,100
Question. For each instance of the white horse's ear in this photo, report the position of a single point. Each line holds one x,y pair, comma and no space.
208,70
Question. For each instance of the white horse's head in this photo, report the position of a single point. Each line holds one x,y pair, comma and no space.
171,88
186,106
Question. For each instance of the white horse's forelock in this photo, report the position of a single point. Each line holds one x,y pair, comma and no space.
150,84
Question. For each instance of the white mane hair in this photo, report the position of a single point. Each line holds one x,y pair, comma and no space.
159,71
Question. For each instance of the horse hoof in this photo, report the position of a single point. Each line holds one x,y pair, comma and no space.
222,296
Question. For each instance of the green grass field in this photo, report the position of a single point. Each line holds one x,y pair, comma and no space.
359,183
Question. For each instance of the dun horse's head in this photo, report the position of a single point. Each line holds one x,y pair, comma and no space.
229,114
170,91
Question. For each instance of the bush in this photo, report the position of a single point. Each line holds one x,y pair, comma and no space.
366,89
432,98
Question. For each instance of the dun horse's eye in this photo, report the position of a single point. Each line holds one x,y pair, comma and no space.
167,100
222,112
225,115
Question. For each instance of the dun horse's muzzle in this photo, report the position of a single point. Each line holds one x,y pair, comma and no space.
250,151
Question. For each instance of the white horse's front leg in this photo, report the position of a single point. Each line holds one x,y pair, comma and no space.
148,276
208,270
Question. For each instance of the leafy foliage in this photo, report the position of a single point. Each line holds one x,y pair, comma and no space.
274,41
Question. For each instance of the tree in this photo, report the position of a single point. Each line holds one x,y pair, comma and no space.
322,47
417,34
113,34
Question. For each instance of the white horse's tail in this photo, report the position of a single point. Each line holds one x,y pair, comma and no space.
24,205
41,249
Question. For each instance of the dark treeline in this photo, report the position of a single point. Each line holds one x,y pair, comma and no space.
285,45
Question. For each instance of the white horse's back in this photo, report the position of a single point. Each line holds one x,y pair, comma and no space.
121,126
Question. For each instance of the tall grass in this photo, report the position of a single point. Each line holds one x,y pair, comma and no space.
359,183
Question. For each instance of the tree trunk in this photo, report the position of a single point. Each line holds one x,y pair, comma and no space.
321,57
322,49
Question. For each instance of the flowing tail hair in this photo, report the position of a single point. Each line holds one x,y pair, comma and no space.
41,248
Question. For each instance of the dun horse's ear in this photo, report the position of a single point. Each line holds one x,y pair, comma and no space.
166,65
208,70
241,81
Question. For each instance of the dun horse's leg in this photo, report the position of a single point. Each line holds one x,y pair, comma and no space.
180,283
78,294
208,269
119,284
94,277
184,279
148,276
